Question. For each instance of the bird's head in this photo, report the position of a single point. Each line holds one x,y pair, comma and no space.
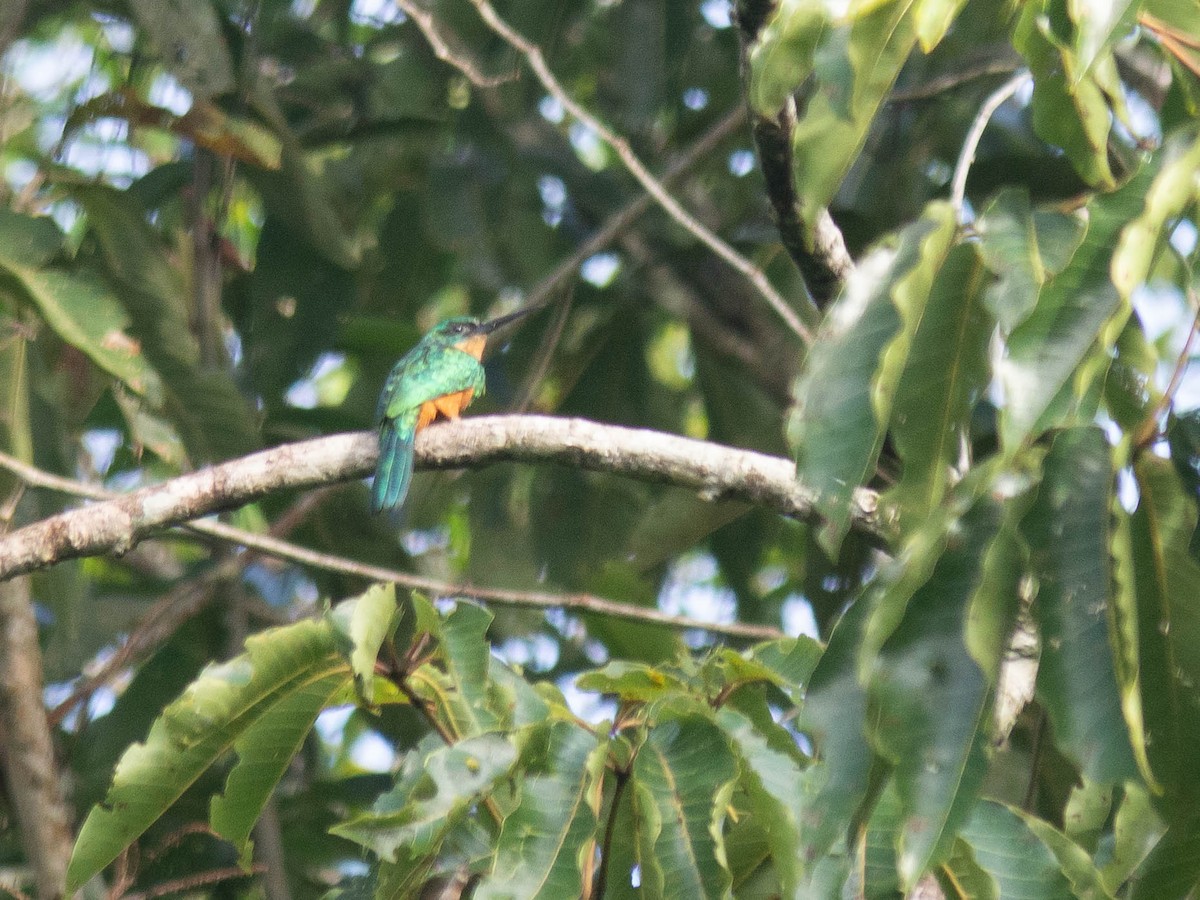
468,334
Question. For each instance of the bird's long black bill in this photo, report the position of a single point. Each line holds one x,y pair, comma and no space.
494,324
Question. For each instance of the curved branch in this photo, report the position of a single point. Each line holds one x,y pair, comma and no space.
818,247
715,471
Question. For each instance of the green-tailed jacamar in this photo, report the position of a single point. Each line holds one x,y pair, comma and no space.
440,376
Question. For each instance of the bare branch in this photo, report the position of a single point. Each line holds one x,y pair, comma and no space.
537,62
958,185
440,44
822,257
817,247
715,471
30,769
951,80
621,220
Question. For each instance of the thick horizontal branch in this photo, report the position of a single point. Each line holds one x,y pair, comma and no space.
714,471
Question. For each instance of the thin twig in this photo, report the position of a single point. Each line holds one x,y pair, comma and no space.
545,353
438,43
1150,427
610,830
186,600
189,883
951,80
621,220
958,184
537,62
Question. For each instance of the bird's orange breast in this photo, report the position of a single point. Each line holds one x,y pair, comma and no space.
449,406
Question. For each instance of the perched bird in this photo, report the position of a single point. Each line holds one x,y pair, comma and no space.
440,376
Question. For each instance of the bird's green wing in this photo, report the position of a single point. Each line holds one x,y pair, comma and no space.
425,374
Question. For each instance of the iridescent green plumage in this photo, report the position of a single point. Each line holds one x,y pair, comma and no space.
443,364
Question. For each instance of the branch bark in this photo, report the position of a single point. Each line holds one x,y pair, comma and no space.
26,750
817,247
715,471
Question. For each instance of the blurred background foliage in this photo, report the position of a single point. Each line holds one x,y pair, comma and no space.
225,220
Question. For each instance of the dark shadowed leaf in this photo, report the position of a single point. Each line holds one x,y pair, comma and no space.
933,700
844,397
1068,533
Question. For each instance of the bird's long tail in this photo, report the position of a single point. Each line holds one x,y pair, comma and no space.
394,470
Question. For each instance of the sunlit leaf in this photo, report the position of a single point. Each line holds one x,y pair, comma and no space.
432,790
214,712
782,56
682,776
264,753
1071,113
543,842
946,373
1075,309
1175,188
1167,577
853,78
362,625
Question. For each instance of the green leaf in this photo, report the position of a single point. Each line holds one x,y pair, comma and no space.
933,19
1068,534
1023,248
264,753
931,697
1172,869
682,777
1175,188
844,397
466,653
782,56
78,306
188,37
216,710
933,700
546,840
771,778
876,865
961,878
856,65
1098,26
213,418
631,681
1075,310
833,715
1124,632
30,241
362,625
1021,865
946,373
433,790
1069,109
1076,864
791,660
1136,830
1167,581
